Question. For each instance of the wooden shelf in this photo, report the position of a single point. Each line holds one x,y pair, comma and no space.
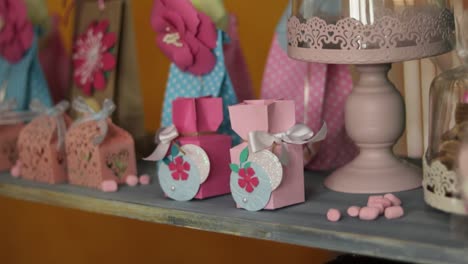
423,235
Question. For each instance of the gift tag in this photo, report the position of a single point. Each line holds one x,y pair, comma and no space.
200,158
251,187
270,164
179,179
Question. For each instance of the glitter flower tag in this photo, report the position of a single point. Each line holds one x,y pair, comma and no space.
183,171
93,58
254,179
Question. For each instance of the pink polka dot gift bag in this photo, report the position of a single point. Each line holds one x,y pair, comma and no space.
319,92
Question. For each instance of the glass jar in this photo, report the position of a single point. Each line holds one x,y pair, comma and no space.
448,129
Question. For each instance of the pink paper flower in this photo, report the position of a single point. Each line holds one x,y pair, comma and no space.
179,169
185,35
16,30
92,57
247,180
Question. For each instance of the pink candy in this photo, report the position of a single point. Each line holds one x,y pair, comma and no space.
333,215
145,179
131,180
369,213
394,212
15,171
392,198
353,211
109,186
389,205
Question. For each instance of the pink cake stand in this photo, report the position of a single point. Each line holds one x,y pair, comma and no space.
371,34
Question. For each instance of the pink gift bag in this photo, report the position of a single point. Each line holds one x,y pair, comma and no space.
236,65
320,93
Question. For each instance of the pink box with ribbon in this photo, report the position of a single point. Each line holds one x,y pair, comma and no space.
41,148
98,151
273,176
194,159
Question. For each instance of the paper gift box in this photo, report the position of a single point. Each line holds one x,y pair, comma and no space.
40,146
97,154
273,116
197,165
8,140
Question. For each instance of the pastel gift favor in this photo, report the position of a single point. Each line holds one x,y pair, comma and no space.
99,153
11,123
41,144
267,169
197,165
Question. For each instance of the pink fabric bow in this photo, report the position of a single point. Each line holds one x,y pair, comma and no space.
16,30
185,35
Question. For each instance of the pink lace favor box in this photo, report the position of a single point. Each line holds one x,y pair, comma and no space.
98,151
260,179
197,120
41,148
8,145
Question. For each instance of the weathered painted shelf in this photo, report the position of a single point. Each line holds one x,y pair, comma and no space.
423,235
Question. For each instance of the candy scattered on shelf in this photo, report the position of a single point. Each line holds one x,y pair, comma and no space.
353,211
395,200
394,212
369,213
109,186
132,180
333,215
145,179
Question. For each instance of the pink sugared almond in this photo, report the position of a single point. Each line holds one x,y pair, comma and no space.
145,179
369,213
353,211
131,180
333,215
109,186
394,212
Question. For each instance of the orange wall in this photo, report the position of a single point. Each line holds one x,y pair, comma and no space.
34,233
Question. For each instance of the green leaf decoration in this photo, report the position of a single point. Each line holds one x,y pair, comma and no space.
166,161
234,167
244,155
247,165
174,150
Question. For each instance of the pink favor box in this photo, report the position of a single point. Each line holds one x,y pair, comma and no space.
89,164
8,145
273,116
41,159
197,120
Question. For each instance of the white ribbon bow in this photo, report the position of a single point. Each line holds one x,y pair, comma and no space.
163,139
8,115
57,112
108,107
298,135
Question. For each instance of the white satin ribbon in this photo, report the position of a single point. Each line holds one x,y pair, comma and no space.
108,107
163,139
298,135
56,112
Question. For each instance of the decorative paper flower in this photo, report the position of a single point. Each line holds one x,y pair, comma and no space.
16,30
179,169
92,57
185,35
247,180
